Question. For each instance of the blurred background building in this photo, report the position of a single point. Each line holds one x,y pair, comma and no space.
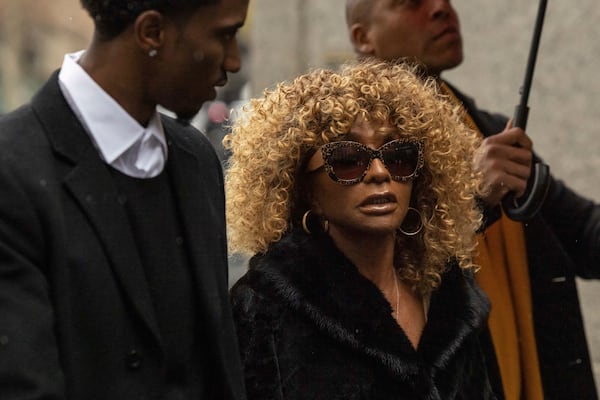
34,34
284,38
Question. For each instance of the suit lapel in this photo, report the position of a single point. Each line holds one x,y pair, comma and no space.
202,211
91,185
198,185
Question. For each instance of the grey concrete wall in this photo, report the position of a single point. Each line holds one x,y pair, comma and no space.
564,101
288,37
565,96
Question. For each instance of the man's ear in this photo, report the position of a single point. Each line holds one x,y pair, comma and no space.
149,30
359,35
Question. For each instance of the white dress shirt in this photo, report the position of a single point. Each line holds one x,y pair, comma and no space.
124,144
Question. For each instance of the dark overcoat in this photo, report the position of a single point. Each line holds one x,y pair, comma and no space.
76,317
563,241
312,327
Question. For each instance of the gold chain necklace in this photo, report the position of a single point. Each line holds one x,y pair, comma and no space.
397,293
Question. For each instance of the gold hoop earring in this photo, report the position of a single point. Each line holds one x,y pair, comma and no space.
304,224
419,225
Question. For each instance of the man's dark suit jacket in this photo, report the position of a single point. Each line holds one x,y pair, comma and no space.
76,317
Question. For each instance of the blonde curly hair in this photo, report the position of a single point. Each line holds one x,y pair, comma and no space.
274,135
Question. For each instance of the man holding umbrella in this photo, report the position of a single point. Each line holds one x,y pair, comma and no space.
528,269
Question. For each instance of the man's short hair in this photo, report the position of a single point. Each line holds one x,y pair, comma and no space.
358,11
111,17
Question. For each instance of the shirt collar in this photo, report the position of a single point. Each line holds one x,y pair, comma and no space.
112,129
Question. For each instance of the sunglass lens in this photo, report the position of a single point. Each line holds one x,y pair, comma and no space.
401,159
348,162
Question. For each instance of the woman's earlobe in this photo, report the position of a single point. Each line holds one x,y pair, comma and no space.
312,202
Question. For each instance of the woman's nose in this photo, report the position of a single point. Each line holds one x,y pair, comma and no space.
377,171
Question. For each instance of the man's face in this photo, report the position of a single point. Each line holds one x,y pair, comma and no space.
426,30
198,55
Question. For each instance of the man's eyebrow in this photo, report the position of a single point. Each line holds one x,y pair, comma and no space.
231,30
233,26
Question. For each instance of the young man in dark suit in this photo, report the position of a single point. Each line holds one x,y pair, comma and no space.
113,258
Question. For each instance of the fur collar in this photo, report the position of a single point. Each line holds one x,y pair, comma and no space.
311,276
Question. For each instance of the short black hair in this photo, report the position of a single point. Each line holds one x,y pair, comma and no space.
111,17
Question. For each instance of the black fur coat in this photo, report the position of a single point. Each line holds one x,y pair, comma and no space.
311,326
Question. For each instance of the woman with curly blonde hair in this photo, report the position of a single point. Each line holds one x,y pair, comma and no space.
355,192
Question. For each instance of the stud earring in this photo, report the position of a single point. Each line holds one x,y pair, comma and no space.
152,53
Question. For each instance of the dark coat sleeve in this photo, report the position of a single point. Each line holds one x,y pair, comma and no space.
29,360
256,327
576,223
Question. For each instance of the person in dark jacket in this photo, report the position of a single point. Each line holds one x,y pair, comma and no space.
528,269
355,192
113,255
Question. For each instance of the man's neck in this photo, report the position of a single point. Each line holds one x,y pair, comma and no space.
120,77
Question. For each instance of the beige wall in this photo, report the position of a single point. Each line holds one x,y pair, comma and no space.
34,35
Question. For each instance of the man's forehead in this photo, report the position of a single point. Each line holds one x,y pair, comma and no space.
230,12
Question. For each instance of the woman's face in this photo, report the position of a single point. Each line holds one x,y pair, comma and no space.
376,205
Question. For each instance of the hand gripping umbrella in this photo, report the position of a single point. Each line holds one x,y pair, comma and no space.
539,181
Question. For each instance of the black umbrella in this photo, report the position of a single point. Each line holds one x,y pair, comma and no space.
537,186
